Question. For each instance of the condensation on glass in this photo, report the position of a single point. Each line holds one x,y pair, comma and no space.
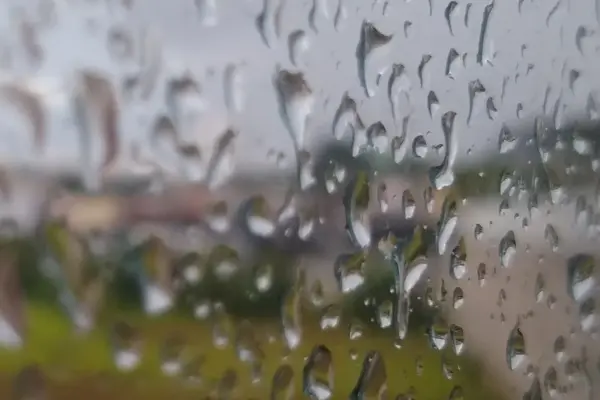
324,199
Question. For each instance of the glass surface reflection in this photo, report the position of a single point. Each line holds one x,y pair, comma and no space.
324,199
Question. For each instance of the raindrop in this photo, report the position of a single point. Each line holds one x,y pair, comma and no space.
467,14
317,375
170,355
268,21
126,344
341,14
263,277
491,109
438,334
233,82
346,121
408,204
398,85
551,382
458,298
207,9
356,330
296,102
433,103
282,384
407,28
246,344
298,44
447,226
443,176
331,317
551,237
30,384
448,13
421,69
508,249
316,293
372,382
372,44
588,317
476,90
507,142
487,12
516,354
415,271
453,62
457,335
458,260
559,348
540,285
581,280
291,317
384,314
377,137
349,272
478,232
429,199
356,201
481,272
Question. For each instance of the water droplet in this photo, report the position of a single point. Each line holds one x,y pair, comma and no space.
268,22
207,9
356,201
458,298
508,249
476,91
263,277
331,317
551,382
540,285
415,271
225,262
30,384
516,354
443,175
377,138
421,70
551,237
372,45
453,62
384,314
170,355
433,104
126,344
296,102
233,82
408,204
448,13
318,374
291,317
356,330
438,334
341,14
457,335
399,146
448,222
346,121
282,384
487,12
399,85
349,272
507,142
559,348
298,44
457,393
581,280
458,260
372,382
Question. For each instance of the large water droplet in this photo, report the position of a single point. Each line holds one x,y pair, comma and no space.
296,102
580,273
268,22
516,353
372,382
443,175
372,45
508,249
298,44
318,374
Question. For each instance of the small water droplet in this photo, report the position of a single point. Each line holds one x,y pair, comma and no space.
551,237
448,13
298,44
458,260
372,382
349,272
296,102
421,70
331,317
581,280
458,298
318,374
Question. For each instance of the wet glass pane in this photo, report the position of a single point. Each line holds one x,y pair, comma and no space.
280,199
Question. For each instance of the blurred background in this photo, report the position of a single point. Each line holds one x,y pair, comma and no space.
279,199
